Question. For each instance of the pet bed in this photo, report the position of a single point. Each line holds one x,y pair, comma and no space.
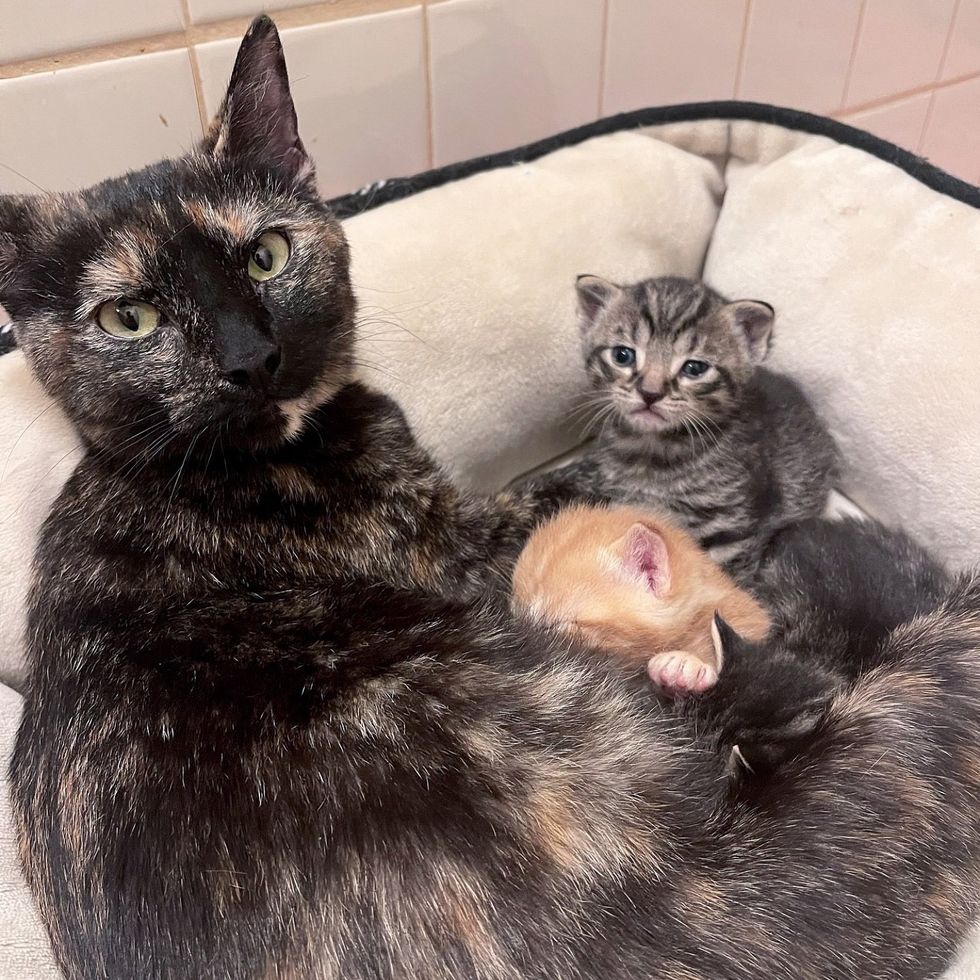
465,282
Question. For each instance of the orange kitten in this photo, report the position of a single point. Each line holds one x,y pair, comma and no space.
629,581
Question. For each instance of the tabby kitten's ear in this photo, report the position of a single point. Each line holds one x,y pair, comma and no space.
644,555
257,120
594,294
752,321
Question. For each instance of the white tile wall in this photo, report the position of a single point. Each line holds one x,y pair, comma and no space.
203,11
900,46
797,52
37,27
360,93
660,52
506,72
388,87
66,129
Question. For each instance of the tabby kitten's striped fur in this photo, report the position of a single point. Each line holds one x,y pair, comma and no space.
271,731
689,420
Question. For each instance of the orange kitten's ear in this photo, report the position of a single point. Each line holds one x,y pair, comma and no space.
645,556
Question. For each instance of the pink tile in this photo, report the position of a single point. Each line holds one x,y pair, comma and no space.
506,72
900,47
898,122
40,27
952,136
797,52
963,54
359,88
660,52
66,129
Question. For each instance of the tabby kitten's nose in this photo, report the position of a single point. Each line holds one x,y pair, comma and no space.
254,370
649,397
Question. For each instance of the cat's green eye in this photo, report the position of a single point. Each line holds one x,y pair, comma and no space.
128,319
269,256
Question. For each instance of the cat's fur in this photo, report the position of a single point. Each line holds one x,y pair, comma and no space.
259,741
631,582
836,590
734,454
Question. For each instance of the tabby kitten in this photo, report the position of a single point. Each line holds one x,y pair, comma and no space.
689,420
836,591
630,582
270,733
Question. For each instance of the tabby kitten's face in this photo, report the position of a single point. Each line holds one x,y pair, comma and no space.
201,295
668,355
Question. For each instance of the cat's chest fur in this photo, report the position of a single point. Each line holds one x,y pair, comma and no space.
354,497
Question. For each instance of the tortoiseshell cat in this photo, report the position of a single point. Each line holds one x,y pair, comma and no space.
260,741
691,423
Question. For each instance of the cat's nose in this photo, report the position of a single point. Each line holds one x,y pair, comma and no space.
254,368
649,397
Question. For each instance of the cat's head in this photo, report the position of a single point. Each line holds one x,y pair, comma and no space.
606,574
668,355
203,294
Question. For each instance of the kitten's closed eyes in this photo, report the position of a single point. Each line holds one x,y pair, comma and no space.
634,584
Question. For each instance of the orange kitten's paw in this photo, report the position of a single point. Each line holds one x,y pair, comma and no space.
678,674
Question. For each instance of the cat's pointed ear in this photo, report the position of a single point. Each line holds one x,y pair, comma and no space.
724,639
594,295
257,120
752,321
645,556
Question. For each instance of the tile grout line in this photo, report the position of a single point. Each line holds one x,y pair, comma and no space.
938,79
603,59
849,74
887,100
740,66
429,110
299,15
195,67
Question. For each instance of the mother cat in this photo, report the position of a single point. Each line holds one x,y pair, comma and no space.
270,731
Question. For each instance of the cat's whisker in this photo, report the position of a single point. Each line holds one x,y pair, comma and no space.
33,183
6,462
183,463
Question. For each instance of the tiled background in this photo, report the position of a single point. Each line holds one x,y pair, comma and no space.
90,88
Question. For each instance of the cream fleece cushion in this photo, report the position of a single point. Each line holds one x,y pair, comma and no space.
468,319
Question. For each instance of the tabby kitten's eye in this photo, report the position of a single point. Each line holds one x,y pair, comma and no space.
622,356
269,256
694,369
129,319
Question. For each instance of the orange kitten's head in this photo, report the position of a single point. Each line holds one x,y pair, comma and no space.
630,581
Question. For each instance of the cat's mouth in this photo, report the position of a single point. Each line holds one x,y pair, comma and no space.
649,418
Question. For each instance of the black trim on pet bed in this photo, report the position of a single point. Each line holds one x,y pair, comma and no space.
386,191
396,189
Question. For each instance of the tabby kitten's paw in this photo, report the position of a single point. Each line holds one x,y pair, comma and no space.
679,674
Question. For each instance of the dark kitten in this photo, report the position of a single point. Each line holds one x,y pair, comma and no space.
689,420
260,741
836,591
